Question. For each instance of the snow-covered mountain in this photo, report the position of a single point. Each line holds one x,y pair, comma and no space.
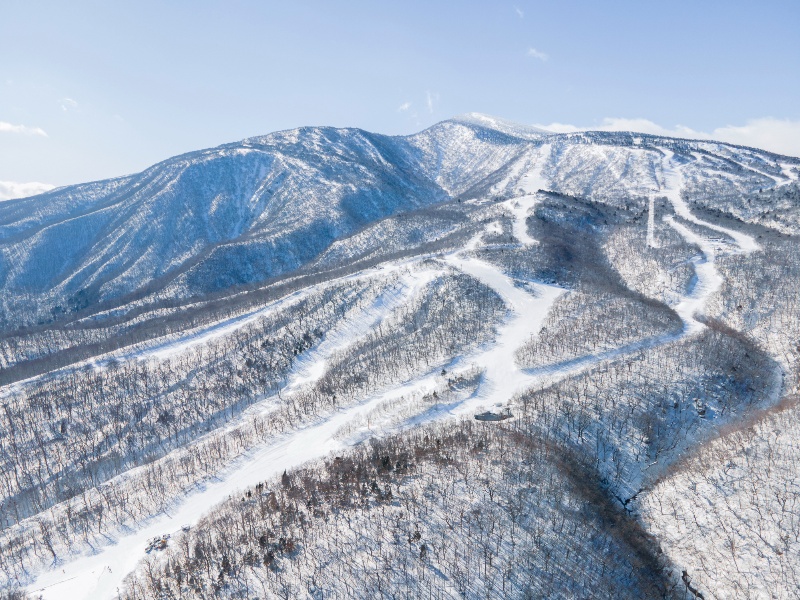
483,360
253,210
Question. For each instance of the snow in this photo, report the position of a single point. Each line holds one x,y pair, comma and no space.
502,125
706,283
172,347
201,336
651,222
100,575
502,377
729,515
790,172
673,183
531,183
708,280
534,181
311,365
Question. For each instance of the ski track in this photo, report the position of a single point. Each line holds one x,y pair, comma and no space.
790,172
708,279
530,183
100,575
311,365
172,348
673,184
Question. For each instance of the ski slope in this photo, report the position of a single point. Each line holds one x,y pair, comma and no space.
708,279
100,573
531,183
673,184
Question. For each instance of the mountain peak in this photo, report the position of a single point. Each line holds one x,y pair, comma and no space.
503,125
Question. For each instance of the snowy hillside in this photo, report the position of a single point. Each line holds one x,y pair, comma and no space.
476,361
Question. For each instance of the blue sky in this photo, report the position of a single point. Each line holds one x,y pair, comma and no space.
90,90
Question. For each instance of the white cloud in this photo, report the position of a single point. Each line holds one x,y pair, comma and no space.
519,12
556,127
404,107
13,189
537,54
11,128
621,124
776,135
431,99
68,104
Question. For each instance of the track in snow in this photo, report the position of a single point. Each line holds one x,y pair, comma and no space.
530,183
708,279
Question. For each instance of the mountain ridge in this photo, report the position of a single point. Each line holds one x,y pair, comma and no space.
602,303
268,204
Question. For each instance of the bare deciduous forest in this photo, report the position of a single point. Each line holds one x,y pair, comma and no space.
472,362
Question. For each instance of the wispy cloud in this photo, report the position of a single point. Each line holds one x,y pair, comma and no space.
23,129
622,124
404,107
519,12
537,54
13,189
776,135
68,104
431,99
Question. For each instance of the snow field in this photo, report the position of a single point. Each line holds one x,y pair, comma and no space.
100,575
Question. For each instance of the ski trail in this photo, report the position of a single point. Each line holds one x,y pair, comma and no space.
531,183
708,279
502,377
573,366
673,184
218,330
790,172
527,307
166,348
101,575
311,365
171,348
786,177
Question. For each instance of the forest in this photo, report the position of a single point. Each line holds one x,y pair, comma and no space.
467,363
